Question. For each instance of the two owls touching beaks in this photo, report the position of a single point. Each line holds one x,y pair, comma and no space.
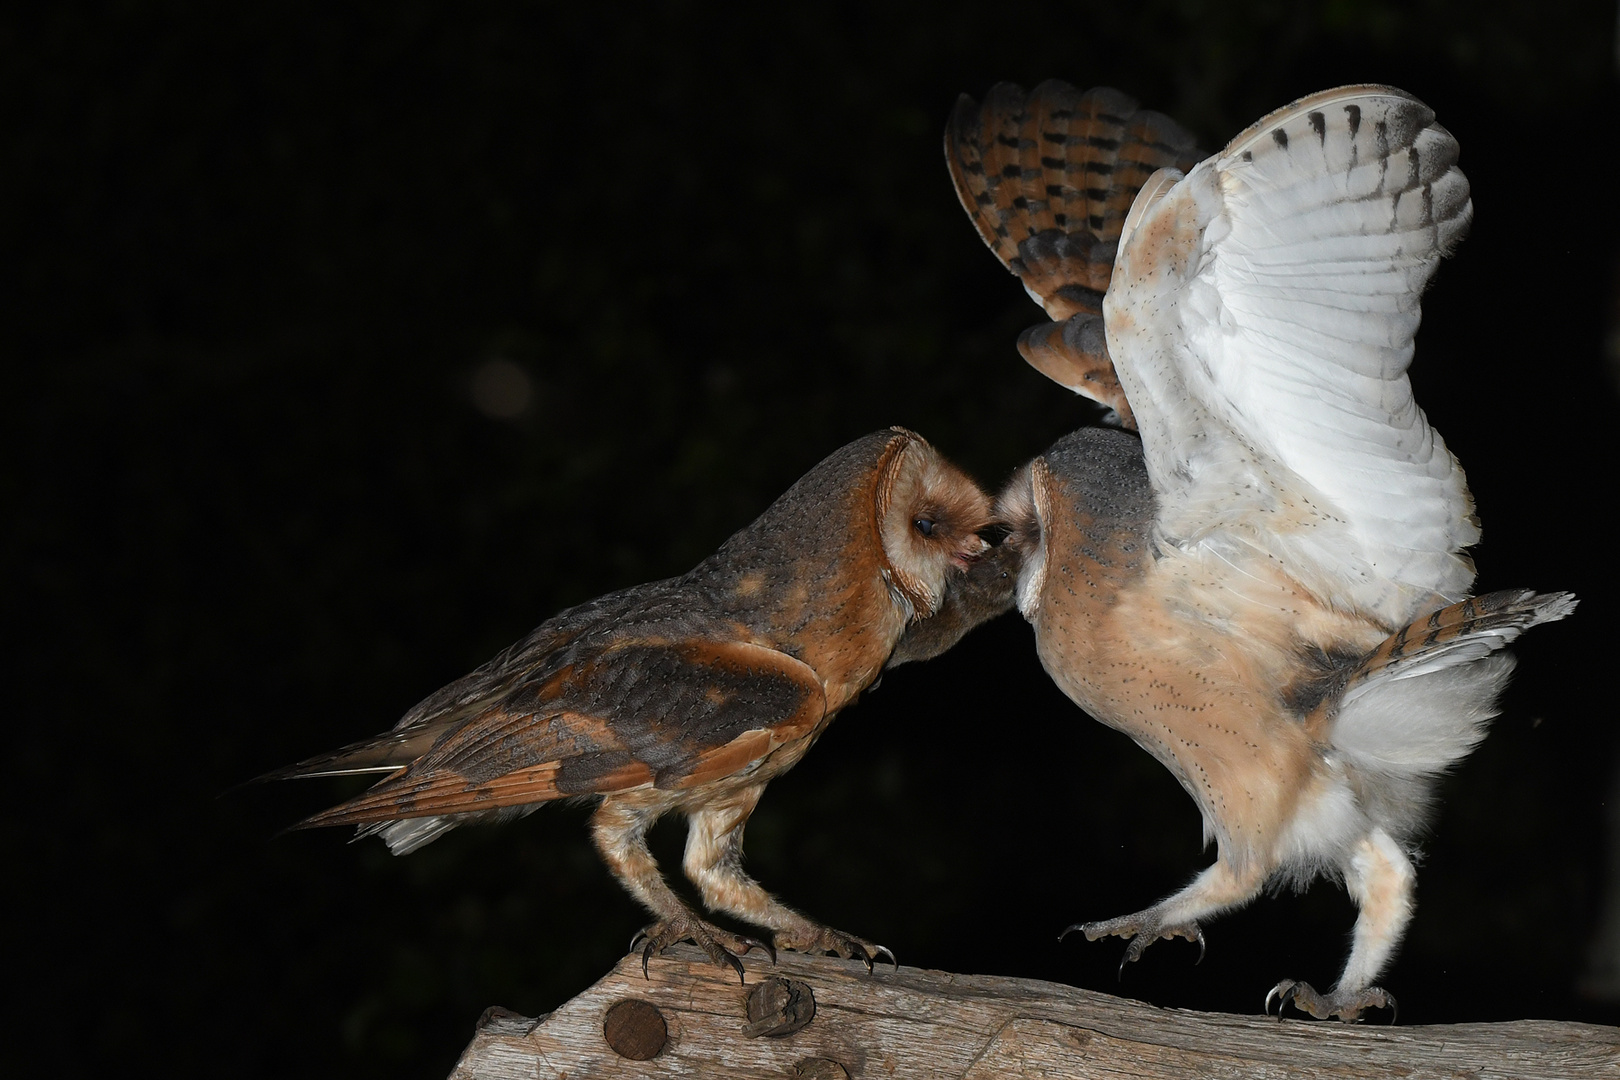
1259,572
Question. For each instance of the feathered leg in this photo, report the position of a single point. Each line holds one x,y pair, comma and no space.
620,835
1380,879
713,862
1416,704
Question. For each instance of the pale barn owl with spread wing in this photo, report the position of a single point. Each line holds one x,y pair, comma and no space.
689,695
1268,588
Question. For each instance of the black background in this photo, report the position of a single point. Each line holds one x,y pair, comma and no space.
256,261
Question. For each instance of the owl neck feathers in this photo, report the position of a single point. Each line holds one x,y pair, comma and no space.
815,553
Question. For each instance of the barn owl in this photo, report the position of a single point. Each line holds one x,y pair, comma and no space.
691,694
1268,587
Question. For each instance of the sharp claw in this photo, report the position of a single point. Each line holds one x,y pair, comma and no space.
1133,953
1077,926
884,949
1287,993
1200,932
657,937
1347,1006
1394,1013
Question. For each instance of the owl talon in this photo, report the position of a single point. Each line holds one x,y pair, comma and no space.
721,947
822,940
1343,1006
1141,930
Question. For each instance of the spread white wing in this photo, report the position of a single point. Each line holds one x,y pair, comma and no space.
1261,316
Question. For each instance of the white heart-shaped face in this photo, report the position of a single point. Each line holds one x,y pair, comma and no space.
1021,507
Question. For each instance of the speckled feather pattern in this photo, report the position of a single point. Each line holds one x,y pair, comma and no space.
1268,591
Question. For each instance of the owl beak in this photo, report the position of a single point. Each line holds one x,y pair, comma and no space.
970,550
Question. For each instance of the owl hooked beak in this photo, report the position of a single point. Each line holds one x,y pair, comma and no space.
970,551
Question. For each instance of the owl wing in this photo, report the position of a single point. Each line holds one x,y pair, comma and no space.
1261,317
1048,179
638,713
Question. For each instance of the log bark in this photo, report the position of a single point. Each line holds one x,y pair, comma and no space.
829,1019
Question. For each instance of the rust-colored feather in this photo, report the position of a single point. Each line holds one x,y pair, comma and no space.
1048,180
507,756
1478,625
690,694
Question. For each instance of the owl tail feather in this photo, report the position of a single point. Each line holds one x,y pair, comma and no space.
1421,701
385,753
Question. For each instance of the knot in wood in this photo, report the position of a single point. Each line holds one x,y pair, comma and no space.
778,1007
820,1069
635,1029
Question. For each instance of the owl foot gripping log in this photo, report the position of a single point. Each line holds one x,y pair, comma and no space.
1268,590
688,695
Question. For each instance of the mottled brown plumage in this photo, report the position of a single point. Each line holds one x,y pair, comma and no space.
690,694
1268,589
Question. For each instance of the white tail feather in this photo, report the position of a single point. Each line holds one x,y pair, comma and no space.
404,837
1425,717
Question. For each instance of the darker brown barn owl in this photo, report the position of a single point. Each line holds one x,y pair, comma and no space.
1267,589
690,694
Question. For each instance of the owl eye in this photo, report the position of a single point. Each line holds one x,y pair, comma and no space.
924,526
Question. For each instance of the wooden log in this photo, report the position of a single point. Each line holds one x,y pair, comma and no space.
828,1019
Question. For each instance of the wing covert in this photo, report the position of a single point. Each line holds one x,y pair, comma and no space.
648,712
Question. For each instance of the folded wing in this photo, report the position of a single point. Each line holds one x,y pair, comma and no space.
642,713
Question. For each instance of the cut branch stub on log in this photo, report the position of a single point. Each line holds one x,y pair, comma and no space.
914,1023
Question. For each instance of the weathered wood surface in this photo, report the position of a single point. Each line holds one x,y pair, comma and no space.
915,1023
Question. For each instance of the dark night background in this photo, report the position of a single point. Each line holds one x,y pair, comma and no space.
346,345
